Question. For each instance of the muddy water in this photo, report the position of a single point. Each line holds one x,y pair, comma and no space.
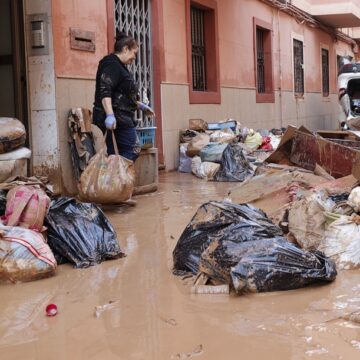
154,316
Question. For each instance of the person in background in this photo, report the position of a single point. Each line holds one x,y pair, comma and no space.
117,98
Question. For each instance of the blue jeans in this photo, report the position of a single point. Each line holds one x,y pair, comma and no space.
127,142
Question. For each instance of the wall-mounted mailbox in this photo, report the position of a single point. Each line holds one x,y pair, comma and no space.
82,40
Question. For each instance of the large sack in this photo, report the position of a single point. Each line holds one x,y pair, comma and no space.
196,144
27,207
24,255
307,219
342,242
213,152
198,125
253,140
184,160
107,179
12,134
222,136
203,170
220,220
354,199
233,165
276,264
80,233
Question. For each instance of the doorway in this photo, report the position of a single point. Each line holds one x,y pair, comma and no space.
13,88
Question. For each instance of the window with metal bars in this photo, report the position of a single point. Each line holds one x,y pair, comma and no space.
260,60
197,16
263,61
298,48
325,71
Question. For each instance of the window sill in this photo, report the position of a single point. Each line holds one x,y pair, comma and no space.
204,97
265,98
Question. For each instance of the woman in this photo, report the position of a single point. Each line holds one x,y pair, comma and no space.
116,98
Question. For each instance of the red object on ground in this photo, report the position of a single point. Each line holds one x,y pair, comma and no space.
51,310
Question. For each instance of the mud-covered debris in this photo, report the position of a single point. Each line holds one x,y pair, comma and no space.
101,308
197,351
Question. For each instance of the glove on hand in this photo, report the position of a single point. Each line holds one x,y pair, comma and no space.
146,109
110,122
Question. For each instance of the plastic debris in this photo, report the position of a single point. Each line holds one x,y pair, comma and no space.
101,308
51,310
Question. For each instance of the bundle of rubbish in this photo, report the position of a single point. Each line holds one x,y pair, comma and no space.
238,245
292,224
39,231
13,153
224,151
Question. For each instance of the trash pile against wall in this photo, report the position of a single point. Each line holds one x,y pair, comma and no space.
13,154
80,233
35,235
307,189
239,245
237,149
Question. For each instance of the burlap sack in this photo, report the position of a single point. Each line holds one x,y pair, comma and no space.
107,179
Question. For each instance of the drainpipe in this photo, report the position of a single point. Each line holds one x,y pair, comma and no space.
280,70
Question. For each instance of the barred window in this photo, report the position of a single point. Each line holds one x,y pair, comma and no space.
198,49
325,71
298,48
260,61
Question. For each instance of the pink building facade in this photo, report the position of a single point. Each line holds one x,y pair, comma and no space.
264,63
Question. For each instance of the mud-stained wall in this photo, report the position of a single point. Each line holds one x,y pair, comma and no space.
44,137
237,73
75,69
70,93
87,15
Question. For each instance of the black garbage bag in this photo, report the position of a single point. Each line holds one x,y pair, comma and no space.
80,233
220,220
2,202
276,264
233,165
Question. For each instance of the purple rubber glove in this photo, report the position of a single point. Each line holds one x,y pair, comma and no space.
110,122
146,109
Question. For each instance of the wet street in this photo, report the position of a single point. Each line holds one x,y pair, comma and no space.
151,314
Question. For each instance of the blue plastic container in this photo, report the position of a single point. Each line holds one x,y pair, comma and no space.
146,137
231,124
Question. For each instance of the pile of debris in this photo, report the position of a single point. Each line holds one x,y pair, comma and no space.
13,153
39,231
224,151
293,223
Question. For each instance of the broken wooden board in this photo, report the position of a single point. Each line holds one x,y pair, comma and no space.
339,186
271,182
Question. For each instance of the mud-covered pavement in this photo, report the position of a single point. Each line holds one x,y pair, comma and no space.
152,313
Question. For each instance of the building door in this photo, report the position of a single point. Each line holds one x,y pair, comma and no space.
13,92
134,17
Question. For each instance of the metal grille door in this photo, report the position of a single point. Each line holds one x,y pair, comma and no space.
133,17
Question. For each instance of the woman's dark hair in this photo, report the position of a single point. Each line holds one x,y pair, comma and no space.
123,40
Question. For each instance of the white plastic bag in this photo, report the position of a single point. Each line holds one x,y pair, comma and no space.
184,160
354,199
204,170
342,242
307,219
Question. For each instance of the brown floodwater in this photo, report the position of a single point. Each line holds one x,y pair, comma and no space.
151,314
